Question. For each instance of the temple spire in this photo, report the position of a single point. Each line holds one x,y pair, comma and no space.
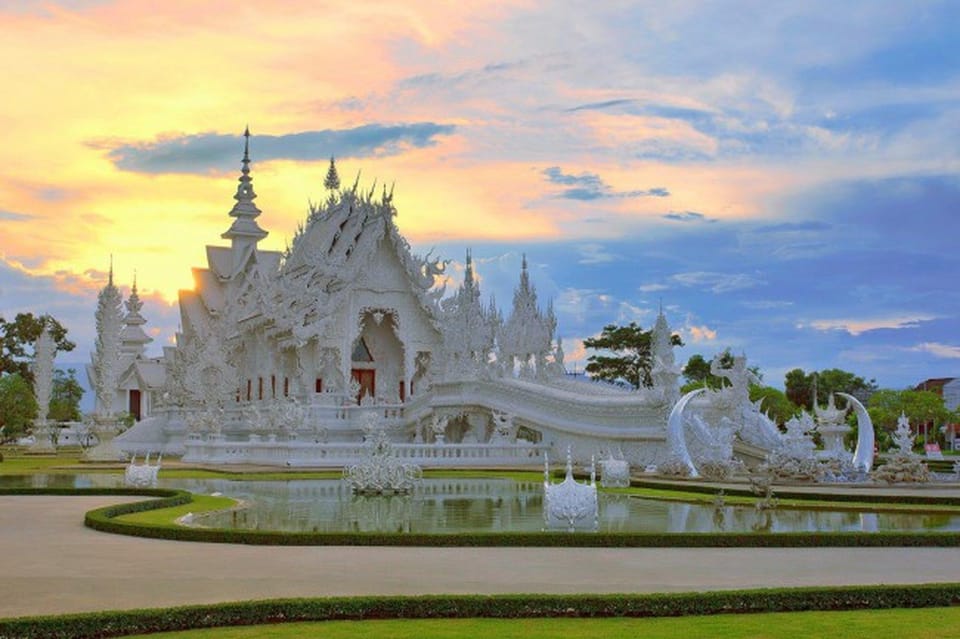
244,231
133,339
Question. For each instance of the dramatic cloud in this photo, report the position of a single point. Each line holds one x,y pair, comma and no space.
824,148
589,186
207,152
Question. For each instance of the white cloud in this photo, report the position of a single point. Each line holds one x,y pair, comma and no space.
856,326
717,282
700,333
765,305
938,349
652,288
594,253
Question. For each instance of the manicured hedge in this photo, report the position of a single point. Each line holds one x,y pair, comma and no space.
118,624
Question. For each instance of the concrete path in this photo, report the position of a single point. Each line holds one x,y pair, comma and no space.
52,564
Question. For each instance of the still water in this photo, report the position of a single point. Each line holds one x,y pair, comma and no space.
482,505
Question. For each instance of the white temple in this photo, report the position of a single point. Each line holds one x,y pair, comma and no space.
283,355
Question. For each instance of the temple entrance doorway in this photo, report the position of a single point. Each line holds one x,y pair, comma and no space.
134,404
377,358
366,378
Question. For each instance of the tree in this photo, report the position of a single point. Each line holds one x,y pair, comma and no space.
775,403
925,410
18,408
332,181
631,363
800,386
697,372
66,396
22,332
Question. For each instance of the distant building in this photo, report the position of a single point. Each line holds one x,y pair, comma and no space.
934,384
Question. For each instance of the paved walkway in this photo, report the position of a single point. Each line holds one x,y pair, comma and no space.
52,564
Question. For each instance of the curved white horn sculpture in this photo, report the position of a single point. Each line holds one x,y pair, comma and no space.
863,455
675,439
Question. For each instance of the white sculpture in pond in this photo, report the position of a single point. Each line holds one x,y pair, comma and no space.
569,504
379,472
143,475
614,473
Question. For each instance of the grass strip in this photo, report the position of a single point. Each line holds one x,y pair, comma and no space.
903,623
119,624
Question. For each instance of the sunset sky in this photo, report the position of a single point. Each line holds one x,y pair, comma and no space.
785,177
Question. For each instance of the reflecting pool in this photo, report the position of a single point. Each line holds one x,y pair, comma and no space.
483,505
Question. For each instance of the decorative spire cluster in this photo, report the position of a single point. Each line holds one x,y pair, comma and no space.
469,328
528,332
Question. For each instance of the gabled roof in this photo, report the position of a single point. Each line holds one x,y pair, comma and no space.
220,259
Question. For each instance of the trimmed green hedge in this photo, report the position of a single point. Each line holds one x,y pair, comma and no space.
118,624
104,519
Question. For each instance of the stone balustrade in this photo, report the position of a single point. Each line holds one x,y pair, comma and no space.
219,450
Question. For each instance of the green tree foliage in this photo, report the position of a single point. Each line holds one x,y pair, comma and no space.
18,408
697,372
332,181
925,410
800,385
631,360
65,396
775,403
20,334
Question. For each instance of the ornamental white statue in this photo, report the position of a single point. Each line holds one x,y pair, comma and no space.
44,350
570,504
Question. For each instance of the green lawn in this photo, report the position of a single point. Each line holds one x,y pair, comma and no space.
16,462
169,516
923,623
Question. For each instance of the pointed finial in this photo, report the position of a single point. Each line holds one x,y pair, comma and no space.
661,305
134,281
524,263
110,277
246,143
469,258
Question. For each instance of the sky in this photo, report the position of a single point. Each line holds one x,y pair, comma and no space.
784,178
